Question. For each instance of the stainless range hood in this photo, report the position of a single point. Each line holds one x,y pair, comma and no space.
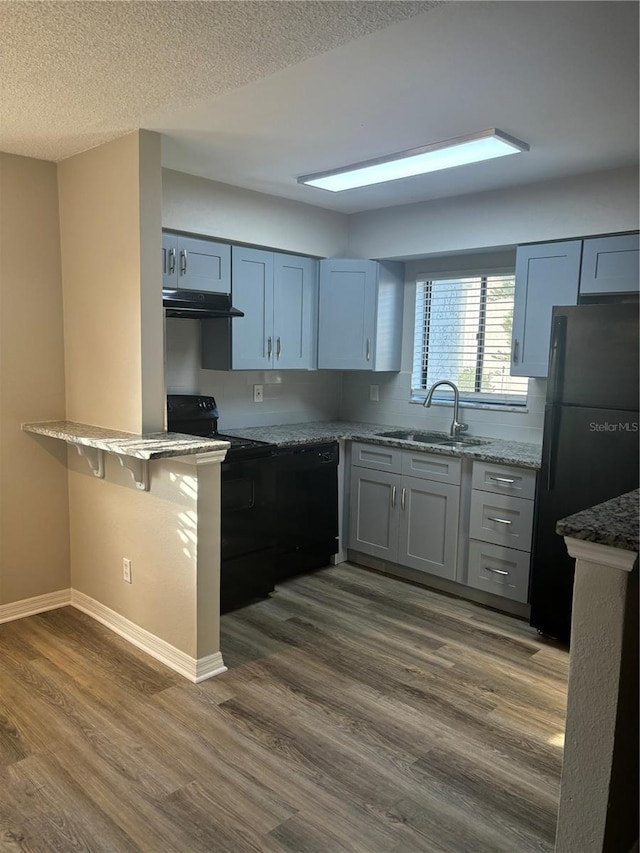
198,304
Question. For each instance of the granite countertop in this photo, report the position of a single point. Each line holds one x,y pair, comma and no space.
153,445
495,450
613,523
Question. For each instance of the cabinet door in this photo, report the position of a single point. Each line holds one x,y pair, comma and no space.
295,312
204,265
170,261
252,292
610,265
428,537
546,275
346,314
373,515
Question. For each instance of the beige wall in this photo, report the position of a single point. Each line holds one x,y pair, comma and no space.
111,269
34,522
230,213
172,560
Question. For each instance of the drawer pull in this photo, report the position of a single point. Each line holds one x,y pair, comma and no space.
499,520
496,571
502,480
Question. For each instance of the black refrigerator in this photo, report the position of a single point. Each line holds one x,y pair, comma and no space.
590,442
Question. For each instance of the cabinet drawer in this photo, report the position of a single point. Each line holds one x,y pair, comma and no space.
504,480
376,456
501,519
432,466
499,570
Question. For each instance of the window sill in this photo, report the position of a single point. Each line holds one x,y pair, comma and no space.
490,407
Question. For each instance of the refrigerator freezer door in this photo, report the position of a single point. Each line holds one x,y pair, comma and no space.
589,455
594,357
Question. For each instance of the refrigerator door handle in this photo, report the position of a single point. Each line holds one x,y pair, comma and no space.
556,358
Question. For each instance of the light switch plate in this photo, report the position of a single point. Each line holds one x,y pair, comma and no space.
258,394
374,393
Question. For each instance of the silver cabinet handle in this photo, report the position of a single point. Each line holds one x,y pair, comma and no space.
183,261
278,347
393,496
403,498
515,350
499,520
502,480
368,349
496,571
172,261
269,346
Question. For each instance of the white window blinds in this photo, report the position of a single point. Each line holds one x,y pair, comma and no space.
463,333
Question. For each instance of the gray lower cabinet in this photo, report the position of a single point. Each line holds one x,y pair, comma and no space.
193,263
500,529
409,520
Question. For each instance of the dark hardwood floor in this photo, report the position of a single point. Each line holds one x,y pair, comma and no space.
359,714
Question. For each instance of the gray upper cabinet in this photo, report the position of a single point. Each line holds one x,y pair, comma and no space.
546,275
295,312
278,294
610,265
252,293
360,315
192,263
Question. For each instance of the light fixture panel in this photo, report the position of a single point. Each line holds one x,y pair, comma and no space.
472,148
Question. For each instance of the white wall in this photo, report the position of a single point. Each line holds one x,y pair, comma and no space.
600,203
230,213
290,396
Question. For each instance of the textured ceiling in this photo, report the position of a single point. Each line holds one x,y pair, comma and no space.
76,74
254,94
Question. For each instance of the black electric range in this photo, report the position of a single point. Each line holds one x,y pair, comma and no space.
248,505
198,415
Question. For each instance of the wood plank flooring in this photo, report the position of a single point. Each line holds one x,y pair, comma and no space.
359,714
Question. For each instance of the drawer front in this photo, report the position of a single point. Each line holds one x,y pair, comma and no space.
432,466
499,570
504,480
501,519
376,456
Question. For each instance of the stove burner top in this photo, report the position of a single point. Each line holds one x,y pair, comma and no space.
198,415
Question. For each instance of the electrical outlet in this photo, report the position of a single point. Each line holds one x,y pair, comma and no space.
126,570
257,394
374,393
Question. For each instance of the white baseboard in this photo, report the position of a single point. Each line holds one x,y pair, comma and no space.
37,604
195,669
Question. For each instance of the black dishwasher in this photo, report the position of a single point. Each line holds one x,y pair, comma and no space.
306,507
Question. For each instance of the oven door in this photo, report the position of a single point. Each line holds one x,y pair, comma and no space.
248,536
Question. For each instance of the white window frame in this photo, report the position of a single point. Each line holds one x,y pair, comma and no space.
444,394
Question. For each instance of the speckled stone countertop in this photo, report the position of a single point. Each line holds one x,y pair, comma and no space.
495,450
614,523
152,445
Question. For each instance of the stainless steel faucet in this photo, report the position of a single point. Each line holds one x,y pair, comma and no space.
456,426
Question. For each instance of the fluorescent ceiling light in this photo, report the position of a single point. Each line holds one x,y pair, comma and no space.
472,148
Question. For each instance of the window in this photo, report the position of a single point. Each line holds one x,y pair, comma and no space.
463,333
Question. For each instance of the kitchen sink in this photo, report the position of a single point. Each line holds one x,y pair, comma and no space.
433,438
